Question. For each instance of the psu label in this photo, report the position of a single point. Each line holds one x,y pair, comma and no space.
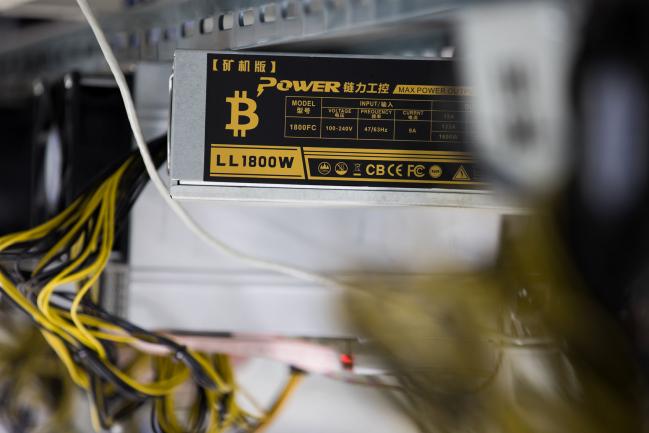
337,121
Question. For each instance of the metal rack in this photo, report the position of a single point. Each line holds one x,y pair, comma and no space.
152,32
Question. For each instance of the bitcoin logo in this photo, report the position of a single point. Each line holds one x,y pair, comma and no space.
237,112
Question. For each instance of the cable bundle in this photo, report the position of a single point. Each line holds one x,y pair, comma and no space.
51,272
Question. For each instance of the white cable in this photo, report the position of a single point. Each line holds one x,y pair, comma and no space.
215,243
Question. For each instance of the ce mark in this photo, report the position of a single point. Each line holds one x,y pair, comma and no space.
396,170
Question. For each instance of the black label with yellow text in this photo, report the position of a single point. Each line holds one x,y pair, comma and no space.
337,121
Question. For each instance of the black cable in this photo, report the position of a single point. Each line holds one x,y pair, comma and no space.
93,364
180,352
202,404
42,278
136,177
155,424
126,409
98,401
85,232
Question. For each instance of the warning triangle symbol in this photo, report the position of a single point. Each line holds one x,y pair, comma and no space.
461,174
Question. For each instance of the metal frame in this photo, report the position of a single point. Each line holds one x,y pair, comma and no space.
153,32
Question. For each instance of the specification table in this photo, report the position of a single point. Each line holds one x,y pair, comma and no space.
376,119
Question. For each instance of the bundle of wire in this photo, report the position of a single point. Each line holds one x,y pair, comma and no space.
52,273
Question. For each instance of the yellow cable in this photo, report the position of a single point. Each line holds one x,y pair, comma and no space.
224,367
16,295
13,238
107,246
156,388
44,306
213,420
115,338
103,197
280,402
167,370
86,213
209,369
78,376
94,418
91,321
44,296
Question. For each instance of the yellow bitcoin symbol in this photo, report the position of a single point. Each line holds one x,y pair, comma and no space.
236,113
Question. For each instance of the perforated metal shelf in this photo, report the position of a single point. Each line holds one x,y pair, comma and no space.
152,32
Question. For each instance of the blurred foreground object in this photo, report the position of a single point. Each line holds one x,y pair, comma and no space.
604,213
540,341
36,393
517,59
517,348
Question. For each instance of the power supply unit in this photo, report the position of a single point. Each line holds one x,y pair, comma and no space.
321,129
